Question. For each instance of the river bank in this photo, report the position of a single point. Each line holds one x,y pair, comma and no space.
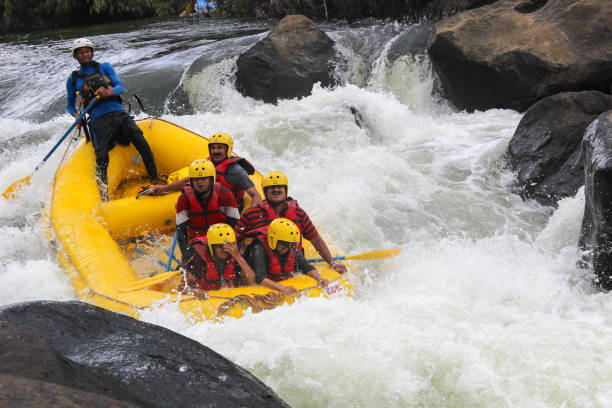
22,15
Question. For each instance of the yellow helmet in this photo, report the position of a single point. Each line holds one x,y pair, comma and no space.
202,168
275,178
222,138
219,234
282,229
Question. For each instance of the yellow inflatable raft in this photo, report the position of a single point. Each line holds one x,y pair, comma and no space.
110,248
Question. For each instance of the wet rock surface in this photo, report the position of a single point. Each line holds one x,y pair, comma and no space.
76,354
596,233
510,54
287,62
546,148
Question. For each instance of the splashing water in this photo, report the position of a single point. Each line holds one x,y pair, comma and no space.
484,307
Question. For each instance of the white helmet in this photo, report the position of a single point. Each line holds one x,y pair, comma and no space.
81,42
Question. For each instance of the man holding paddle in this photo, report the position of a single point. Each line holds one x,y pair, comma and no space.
109,123
274,256
277,204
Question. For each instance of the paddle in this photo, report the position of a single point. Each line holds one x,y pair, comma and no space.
153,280
10,192
140,251
171,255
145,192
158,244
367,256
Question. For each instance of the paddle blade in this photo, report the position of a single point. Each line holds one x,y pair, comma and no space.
11,191
373,255
153,280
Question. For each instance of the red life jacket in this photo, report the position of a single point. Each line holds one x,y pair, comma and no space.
289,214
221,170
275,271
200,219
212,280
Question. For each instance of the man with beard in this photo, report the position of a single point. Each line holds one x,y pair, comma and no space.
202,204
232,171
276,205
109,123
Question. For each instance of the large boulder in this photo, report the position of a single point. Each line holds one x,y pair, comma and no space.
546,148
511,53
596,234
74,354
287,62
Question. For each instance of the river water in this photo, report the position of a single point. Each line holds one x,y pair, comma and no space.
484,307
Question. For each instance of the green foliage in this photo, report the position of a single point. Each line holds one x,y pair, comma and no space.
28,14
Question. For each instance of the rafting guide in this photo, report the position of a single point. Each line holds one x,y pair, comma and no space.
277,204
108,121
216,264
202,204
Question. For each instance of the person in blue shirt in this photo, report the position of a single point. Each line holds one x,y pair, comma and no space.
210,7
200,5
109,123
207,8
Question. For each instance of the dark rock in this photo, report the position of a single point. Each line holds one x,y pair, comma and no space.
287,62
529,6
413,40
76,346
497,57
18,392
596,234
546,148
357,116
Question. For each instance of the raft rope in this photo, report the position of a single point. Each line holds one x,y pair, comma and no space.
257,302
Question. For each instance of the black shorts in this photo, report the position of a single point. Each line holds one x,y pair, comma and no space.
114,127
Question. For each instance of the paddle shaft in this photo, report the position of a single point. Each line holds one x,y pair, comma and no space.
140,251
334,258
76,122
146,282
172,249
156,242
366,256
143,283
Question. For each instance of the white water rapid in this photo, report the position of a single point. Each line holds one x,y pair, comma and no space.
484,307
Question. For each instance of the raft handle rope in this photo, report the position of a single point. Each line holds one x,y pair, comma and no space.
257,303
